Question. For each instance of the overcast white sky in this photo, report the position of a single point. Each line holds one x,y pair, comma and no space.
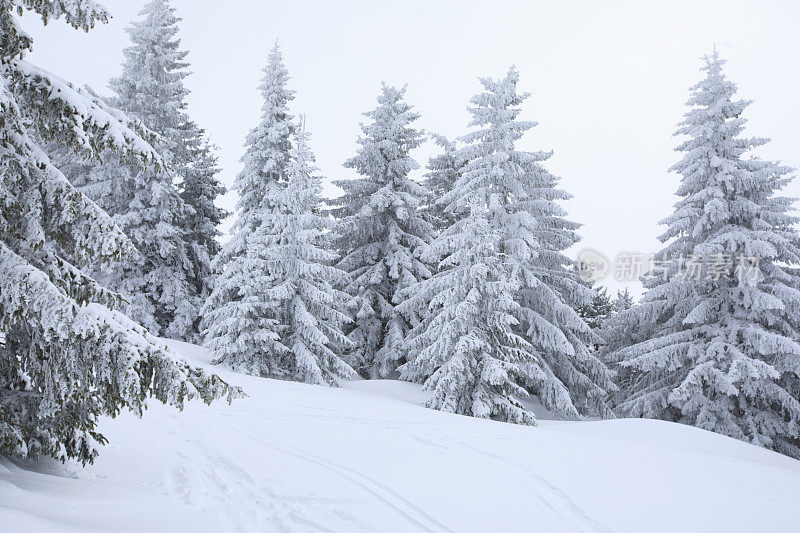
608,81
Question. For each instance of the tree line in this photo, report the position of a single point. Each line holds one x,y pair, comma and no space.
459,280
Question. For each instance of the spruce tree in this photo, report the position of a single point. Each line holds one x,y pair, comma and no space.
599,308
381,233
169,277
501,315
717,348
242,323
443,172
67,356
623,301
199,189
311,309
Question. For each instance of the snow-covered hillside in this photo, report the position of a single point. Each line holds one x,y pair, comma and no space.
295,457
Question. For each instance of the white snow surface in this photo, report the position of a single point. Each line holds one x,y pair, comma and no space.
296,457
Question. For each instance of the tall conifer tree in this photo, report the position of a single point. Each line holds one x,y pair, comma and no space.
174,233
311,307
501,315
381,233
717,347
199,189
243,327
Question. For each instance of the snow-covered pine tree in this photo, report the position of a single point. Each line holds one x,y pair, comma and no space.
598,309
293,296
381,233
443,171
617,331
242,326
311,309
66,356
174,273
173,233
501,312
714,349
623,301
199,189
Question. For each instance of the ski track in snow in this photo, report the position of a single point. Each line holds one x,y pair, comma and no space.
243,505
546,493
414,515
259,509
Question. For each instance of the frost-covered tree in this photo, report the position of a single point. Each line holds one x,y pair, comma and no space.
598,309
311,310
623,301
501,315
241,321
717,347
443,171
174,233
67,356
381,233
199,189
174,238
294,297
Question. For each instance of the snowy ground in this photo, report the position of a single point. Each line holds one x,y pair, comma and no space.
295,457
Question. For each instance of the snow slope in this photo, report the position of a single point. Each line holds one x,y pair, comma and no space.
294,457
